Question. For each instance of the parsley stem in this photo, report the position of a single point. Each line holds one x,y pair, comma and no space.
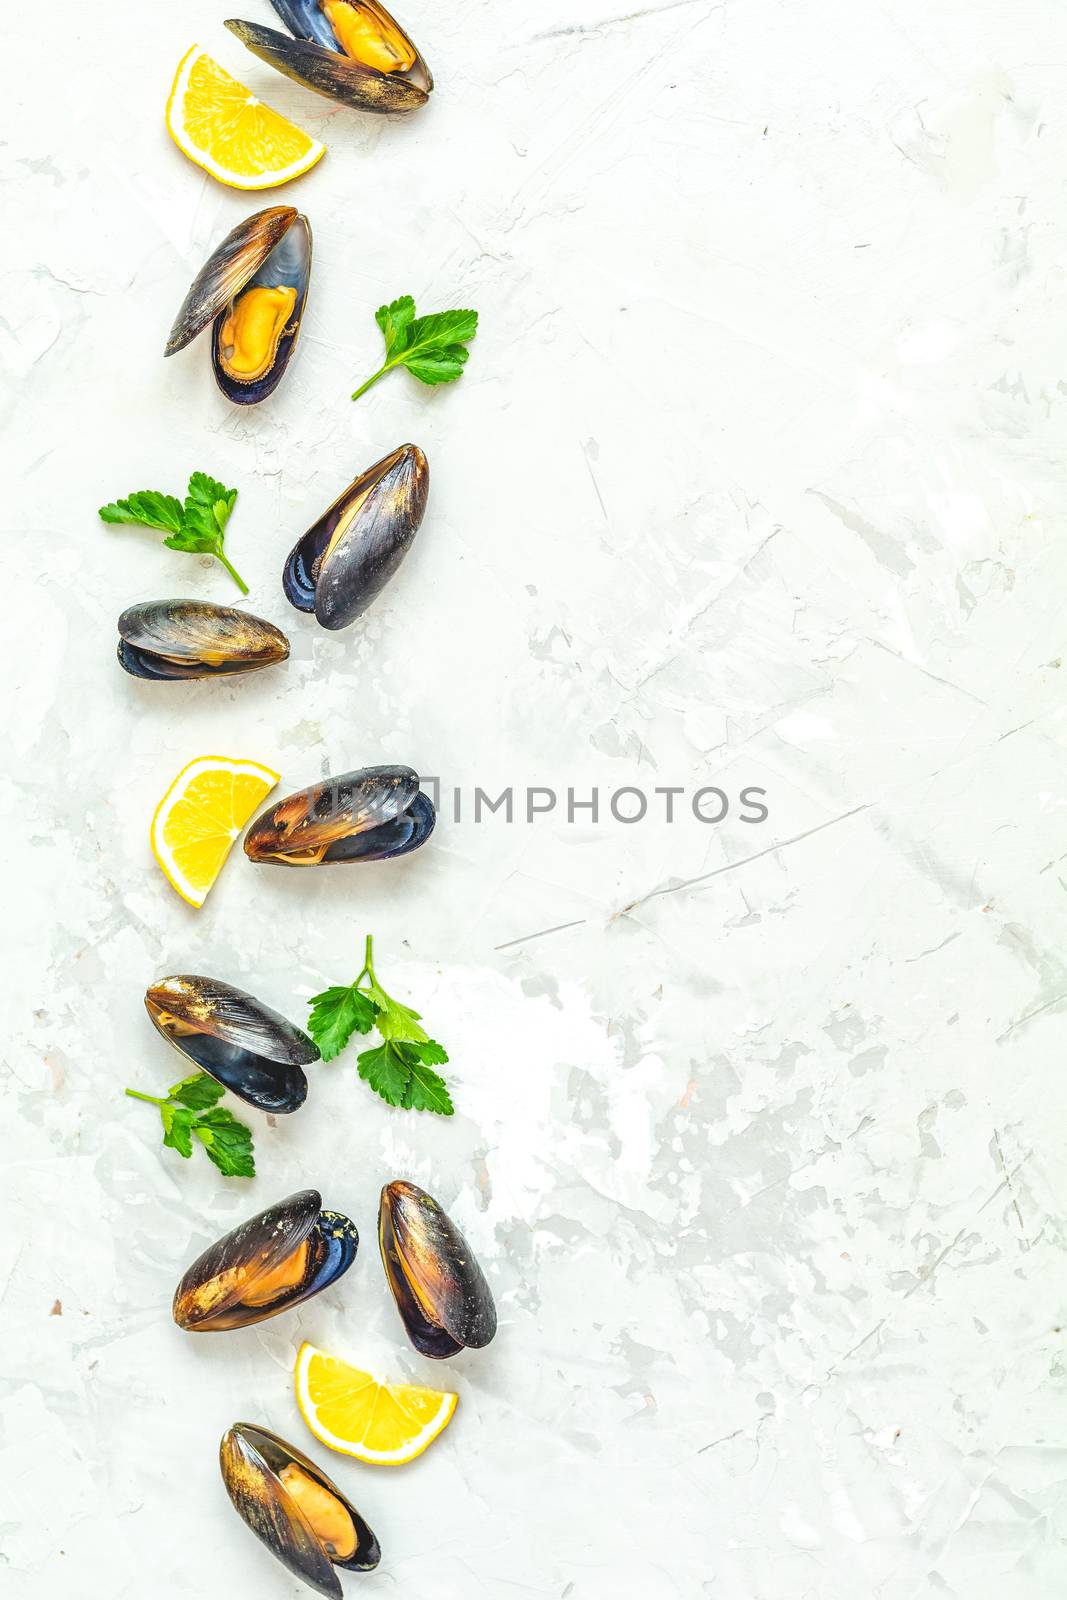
234,574
370,381
153,1100
389,365
367,969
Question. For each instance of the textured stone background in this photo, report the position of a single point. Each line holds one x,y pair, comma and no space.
756,477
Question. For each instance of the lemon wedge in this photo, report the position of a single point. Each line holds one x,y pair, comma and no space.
384,1424
201,815
220,125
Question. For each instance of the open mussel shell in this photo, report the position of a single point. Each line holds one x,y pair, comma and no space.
274,1261
349,50
234,1038
167,639
440,1290
299,1513
347,557
252,289
367,815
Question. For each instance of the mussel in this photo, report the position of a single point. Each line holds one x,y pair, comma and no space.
346,558
299,1513
234,1038
274,1261
367,815
253,288
440,1290
350,50
167,639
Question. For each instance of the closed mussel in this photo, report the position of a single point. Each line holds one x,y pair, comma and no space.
346,558
252,289
367,815
440,1290
274,1261
350,50
168,639
235,1038
294,1508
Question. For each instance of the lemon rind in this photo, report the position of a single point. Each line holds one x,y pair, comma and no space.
348,1447
162,851
268,180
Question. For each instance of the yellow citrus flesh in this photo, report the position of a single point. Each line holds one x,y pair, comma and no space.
201,815
384,1424
220,125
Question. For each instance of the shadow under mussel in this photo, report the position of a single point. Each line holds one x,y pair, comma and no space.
367,815
252,289
346,558
168,639
349,50
274,1261
251,1050
440,1290
294,1508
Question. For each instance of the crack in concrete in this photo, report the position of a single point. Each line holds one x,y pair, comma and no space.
610,22
733,866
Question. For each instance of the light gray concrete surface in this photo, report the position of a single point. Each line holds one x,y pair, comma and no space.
755,478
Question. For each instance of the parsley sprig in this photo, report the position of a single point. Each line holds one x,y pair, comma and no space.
400,1069
190,1109
432,348
197,526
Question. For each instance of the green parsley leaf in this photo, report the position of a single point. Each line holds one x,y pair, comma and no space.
427,1091
194,541
195,528
189,1110
434,1054
197,1092
394,321
336,1014
177,1126
388,1071
433,348
228,1143
394,1020
146,509
398,1069
438,366
208,505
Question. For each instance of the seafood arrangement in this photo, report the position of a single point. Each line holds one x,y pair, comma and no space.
347,557
367,815
278,1260
252,289
274,1261
299,1513
282,1256
235,1039
349,50
440,1290
166,639
249,299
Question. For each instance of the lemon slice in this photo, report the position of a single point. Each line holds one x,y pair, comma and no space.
221,126
384,1424
201,815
